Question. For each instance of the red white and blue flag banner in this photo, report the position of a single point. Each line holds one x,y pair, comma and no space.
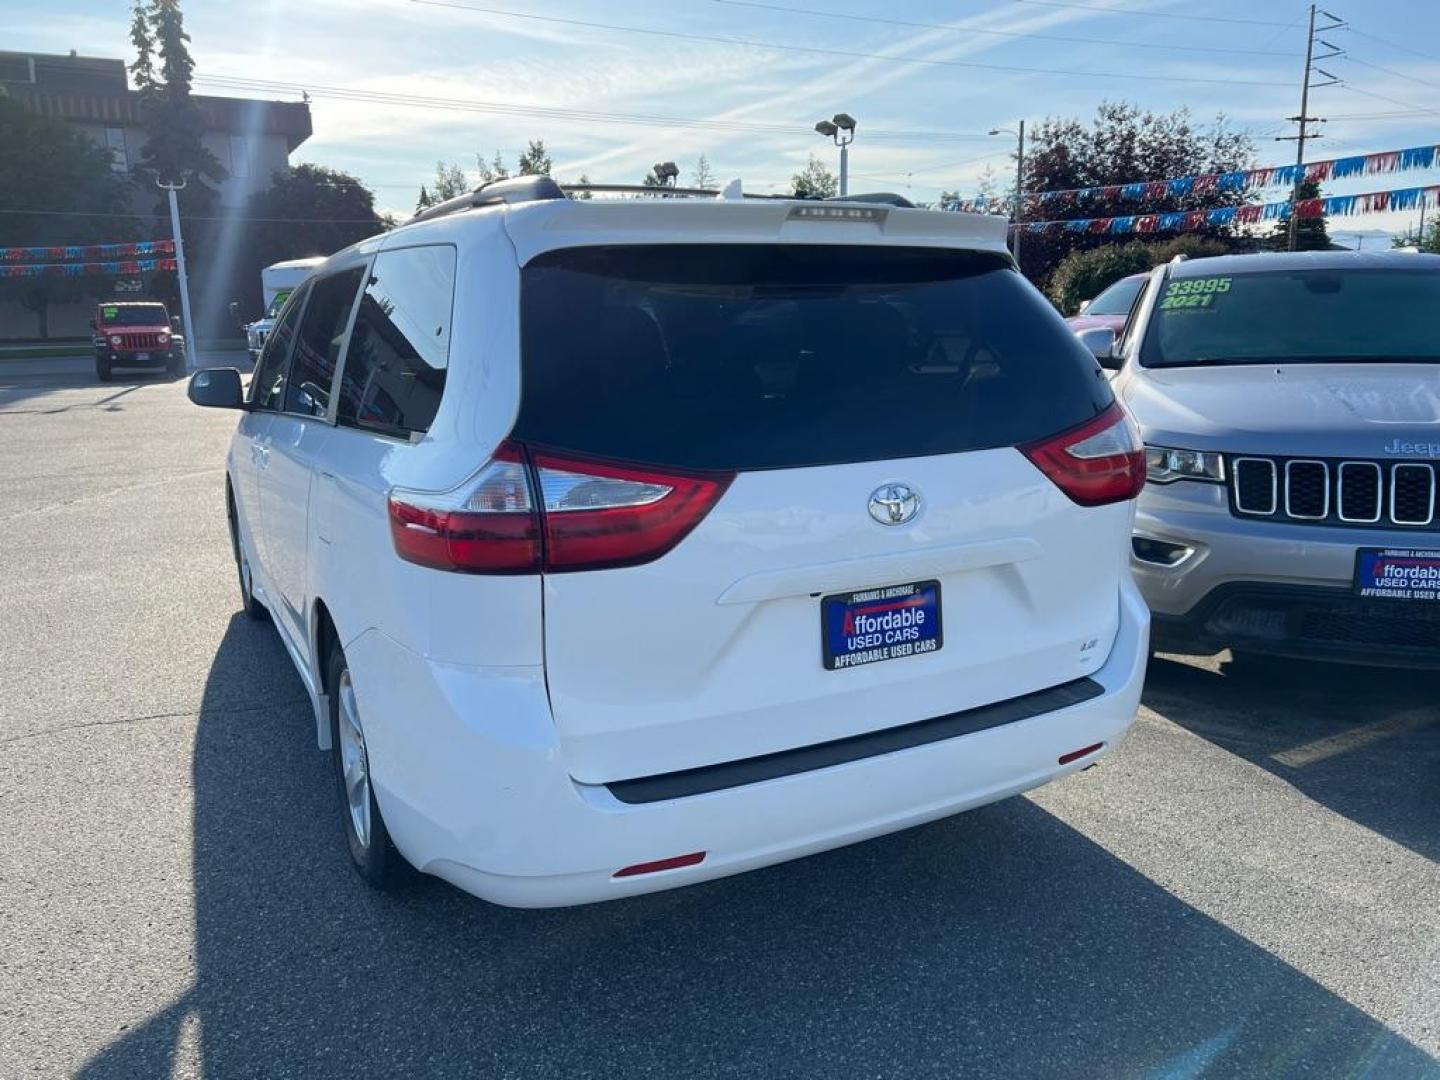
67,253
86,269
1240,180
1372,202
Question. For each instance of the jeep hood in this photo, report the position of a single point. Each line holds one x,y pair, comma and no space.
1370,410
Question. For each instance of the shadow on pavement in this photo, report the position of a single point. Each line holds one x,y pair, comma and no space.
1364,742
1001,942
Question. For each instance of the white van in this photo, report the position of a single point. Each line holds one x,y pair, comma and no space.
624,544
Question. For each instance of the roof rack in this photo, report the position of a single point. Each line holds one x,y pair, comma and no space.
517,189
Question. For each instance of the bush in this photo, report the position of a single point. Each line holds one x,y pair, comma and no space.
1083,275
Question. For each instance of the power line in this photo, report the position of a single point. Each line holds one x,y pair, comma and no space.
847,53
345,93
1393,101
1391,71
1395,45
1136,12
997,33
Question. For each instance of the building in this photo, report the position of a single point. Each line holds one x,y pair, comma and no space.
250,139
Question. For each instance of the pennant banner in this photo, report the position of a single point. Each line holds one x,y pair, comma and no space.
131,266
1385,161
1240,180
90,251
1372,202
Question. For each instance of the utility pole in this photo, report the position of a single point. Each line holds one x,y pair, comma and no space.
170,190
1305,119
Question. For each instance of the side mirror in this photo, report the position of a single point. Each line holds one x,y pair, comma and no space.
92,324
175,323
217,388
1101,342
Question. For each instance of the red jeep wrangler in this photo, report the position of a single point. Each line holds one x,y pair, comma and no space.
136,334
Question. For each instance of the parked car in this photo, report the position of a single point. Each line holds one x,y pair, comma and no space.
625,544
1290,406
1111,307
130,333
277,282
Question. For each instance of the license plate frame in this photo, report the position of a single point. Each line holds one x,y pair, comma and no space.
897,634
1420,585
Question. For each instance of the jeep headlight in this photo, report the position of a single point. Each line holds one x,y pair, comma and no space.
1165,465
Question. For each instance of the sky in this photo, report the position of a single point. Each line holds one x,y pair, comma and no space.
612,86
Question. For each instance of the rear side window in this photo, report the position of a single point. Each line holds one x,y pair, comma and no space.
778,356
267,385
317,346
400,347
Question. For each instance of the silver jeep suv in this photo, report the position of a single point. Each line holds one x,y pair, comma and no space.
1290,406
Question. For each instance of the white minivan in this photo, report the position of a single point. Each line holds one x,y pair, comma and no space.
626,543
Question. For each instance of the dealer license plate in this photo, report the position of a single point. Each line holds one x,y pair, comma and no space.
1398,573
885,623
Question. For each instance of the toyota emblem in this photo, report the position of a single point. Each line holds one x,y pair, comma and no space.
894,504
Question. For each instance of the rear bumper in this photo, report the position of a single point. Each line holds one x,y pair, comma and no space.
477,792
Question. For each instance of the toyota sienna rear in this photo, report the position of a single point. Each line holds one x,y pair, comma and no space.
628,544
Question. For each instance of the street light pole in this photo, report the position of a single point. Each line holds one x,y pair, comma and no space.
841,129
1018,213
170,190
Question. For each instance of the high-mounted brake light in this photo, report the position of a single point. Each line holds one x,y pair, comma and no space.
1101,461
526,512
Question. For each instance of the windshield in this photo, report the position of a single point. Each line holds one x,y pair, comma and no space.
774,356
276,304
133,315
1295,316
1117,299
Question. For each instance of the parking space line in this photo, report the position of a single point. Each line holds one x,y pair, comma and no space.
1333,745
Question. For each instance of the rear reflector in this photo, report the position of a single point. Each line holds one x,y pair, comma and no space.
1101,461
1076,755
672,863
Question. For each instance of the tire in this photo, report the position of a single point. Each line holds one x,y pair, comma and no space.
102,369
372,853
248,604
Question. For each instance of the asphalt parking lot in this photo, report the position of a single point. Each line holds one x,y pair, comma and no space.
1249,887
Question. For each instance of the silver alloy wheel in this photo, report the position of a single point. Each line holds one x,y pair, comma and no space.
354,764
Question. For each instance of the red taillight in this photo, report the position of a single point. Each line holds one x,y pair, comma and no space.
494,530
603,515
672,863
1101,461
530,512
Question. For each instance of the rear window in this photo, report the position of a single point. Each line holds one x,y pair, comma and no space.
133,315
771,356
1295,316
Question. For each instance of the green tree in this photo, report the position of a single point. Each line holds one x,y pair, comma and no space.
534,160
495,170
51,169
815,181
1311,234
1426,240
174,150
1083,275
1122,145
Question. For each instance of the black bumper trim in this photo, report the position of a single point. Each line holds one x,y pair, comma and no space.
732,774
1309,622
